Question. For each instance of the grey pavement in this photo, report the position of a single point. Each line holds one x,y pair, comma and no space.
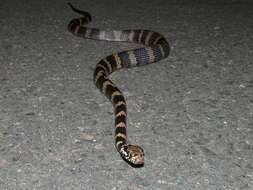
192,112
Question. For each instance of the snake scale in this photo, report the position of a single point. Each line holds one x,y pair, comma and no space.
155,48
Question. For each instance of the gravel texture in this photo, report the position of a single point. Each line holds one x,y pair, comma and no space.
191,112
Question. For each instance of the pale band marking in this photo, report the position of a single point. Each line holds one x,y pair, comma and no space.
101,35
108,65
132,58
150,54
98,75
80,20
121,124
118,143
77,29
131,35
119,104
105,84
158,38
117,59
124,36
121,113
117,35
103,67
140,35
161,49
88,33
120,135
116,93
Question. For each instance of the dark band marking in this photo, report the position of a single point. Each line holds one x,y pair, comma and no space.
144,36
95,33
119,119
120,139
136,35
154,37
121,130
100,82
124,59
120,107
110,89
117,98
112,62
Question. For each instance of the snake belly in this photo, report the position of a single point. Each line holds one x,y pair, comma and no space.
155,48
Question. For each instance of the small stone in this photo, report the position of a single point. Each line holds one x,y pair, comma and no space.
242,86
99,147
87,136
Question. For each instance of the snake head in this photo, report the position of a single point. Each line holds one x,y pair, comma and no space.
133,154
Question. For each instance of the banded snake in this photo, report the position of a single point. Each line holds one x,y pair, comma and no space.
155,48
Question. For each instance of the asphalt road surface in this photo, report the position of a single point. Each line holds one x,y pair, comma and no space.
191,112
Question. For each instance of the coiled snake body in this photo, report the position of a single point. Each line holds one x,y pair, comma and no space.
156,48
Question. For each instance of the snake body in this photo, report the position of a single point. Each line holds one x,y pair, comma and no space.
156,48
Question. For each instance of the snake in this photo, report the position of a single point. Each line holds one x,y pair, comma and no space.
154,48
